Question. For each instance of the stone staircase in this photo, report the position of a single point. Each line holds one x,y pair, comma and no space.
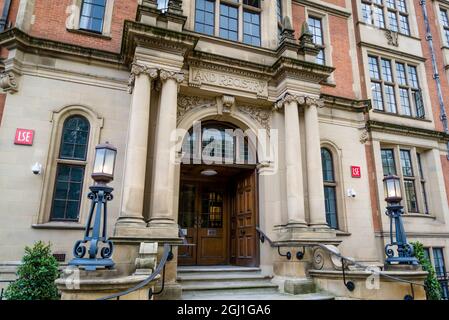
234,283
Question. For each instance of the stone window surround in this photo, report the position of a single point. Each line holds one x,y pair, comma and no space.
416,177
327,44
439,5
77,4
412,22
431,254
444,5
42,221
337,156
240,7
421,79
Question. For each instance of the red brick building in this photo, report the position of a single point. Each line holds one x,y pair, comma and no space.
341,85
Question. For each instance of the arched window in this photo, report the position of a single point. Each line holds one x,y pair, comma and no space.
70,169
330,186
220,144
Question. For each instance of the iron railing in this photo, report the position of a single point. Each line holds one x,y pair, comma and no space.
345,261
167,255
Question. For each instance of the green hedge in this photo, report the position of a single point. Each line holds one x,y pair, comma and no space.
36,275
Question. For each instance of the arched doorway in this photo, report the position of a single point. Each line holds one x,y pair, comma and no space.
218,210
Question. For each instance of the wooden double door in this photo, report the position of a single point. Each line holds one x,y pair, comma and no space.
218,217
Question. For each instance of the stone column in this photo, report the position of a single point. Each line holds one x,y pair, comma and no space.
314,168
131,213
162,222
295,189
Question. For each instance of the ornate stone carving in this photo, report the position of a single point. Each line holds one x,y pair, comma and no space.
364,136
302,100
287,33
187,103
318,258
261,115
138,69
175,6
8,82
177,76
146,262
225,104
392,37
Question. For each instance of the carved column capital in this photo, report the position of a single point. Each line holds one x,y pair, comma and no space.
311,101
177,76
285,99
302,100
8,82
138,69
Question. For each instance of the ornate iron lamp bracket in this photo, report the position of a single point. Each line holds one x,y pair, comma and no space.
99,196
405,252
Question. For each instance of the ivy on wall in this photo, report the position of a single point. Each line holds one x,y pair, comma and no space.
433,288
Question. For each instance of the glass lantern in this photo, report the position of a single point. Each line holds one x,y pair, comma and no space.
392,189
104,163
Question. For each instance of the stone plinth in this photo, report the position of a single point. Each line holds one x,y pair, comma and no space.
369,286
91,285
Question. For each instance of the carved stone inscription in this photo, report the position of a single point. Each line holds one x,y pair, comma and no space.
199,77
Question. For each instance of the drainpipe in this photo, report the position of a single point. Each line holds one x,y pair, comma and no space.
436,75
4,18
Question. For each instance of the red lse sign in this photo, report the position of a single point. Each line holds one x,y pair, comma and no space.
356,172
24,137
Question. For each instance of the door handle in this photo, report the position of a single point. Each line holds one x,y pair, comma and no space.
242,232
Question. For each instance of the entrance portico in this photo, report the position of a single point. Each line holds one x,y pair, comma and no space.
281,192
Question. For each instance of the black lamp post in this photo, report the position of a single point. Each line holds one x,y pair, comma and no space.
100,194
393,196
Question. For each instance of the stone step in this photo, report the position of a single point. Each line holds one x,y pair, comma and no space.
189,278
216,269
229,286
240,283
251,295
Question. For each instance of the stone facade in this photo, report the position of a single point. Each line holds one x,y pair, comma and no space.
148,72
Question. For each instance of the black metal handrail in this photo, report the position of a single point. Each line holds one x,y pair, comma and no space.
165,257
346,261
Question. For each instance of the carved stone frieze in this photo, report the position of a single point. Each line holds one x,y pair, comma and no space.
187,103
8,82
199,77
261,115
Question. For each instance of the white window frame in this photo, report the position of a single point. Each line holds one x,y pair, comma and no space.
410,13
416,177
397,86
241,7
75,13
